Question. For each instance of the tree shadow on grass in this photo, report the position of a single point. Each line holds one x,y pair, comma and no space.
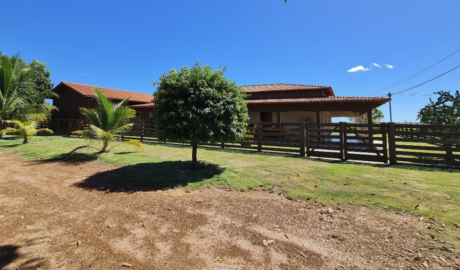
76,158
150,176
403,166
12,138
10,145
124,153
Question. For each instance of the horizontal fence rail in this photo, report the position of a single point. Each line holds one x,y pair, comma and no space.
430,144
386,143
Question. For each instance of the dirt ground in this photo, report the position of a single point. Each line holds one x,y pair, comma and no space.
56,215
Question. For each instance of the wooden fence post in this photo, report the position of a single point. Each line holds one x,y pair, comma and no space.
307,137
222,145
342,158
123,136
302,138
449,152
70,126
259,136
392,143
384,142
142,130
345,141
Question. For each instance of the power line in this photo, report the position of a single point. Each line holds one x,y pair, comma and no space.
390,94
426,81
415,74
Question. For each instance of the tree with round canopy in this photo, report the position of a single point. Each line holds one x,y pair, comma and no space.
197,105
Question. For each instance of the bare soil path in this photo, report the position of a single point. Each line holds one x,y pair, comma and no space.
50,220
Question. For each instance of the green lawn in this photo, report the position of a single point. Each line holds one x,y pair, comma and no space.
435,190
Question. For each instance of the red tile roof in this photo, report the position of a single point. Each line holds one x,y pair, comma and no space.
378,100
87,90
114,94
286,87
375,100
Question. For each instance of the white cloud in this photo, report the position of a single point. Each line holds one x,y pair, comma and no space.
371,67
358,68
85,74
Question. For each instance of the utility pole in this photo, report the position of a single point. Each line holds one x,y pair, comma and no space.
391,115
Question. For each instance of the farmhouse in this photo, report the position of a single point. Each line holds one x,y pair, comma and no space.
267,102
72,96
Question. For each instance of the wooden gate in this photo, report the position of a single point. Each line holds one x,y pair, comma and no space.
365,142
324,140
347,141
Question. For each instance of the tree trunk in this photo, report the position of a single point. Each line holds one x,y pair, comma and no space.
1,128
104,146
26,140
194,160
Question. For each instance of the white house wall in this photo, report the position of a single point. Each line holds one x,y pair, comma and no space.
294,116
343,114
254,116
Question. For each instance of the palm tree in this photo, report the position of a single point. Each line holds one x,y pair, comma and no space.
108,122
13,105
25,130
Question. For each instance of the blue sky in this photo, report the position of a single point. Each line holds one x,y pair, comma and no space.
128,44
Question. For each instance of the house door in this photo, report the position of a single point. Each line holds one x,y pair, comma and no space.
266,116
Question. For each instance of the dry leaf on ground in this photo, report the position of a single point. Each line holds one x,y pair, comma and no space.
268,242
302,254
341,238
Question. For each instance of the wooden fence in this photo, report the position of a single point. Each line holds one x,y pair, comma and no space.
387,143
431,144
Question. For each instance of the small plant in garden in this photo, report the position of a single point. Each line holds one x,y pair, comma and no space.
25,130
108,122
198,105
